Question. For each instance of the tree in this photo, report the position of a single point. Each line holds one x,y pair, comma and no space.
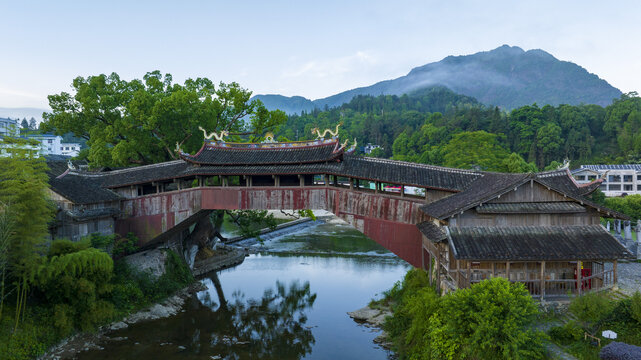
24,185
479,148
24,124
491,320
143,121
32,124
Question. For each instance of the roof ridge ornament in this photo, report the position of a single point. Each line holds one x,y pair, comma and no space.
322,135
352,148
215,135
565,165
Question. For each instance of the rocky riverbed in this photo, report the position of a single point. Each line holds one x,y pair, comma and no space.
373,318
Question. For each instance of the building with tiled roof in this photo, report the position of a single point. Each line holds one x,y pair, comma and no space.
539,228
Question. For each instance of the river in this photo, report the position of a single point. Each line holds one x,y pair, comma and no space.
287,302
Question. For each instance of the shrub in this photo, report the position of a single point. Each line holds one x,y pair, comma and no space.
567,333
591,307
491,320
125,246
620,351
635,307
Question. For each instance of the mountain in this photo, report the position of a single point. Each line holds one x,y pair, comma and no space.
507,76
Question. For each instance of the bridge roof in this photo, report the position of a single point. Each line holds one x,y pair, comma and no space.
225,154
585,242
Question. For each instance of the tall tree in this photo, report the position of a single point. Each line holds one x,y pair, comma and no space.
142,121
24,124
33,125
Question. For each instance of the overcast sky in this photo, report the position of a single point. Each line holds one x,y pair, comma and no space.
308,48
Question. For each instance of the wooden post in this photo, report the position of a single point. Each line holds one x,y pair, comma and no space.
301,179
402,190
178,184
335,180
376,186
458,274
578,277
542,279
358,183
469,273
351,183
614,269
431,269
326,180
507,270
427,197
493,269
437,265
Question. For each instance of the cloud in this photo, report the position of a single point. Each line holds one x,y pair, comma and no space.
332,67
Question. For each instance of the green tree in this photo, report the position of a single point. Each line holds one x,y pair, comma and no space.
142,121
479,148
24,185
491,320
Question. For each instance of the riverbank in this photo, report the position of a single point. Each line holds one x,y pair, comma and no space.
68,348
375,318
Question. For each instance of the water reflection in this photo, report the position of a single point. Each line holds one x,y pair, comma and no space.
270,327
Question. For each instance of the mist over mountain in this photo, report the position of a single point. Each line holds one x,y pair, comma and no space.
507,76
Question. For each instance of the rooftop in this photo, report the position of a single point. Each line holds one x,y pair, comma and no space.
588,242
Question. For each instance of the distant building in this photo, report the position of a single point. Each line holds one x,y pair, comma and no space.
620,179
367,149
9,127
53,145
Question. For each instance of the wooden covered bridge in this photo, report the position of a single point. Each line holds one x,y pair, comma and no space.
463,225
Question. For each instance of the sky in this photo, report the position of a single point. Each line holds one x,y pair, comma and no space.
308,48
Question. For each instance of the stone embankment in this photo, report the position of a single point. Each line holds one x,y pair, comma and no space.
225,257
373,318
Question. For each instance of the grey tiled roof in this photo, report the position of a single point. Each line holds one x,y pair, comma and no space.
588,242
82,189
559,207
491,185
218,155
613,167
432,232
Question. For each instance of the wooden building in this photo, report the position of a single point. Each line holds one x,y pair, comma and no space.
538,229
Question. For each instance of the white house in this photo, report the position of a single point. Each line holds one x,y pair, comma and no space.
620,179
53,145
9,127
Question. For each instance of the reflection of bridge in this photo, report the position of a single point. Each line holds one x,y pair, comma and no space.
160,202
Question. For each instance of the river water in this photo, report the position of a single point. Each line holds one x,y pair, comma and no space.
287,302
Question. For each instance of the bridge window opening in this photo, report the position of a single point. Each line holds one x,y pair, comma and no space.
342,181
236,180
317,179
289,180
263,180
308,180
391,188
146,189
212,181
172,186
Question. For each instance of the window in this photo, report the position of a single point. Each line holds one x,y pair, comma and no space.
638,187
50,141
73,148
61,148
616,187
627,187
614,178
67,148
627,178
591,177
603,187
580,177
638,177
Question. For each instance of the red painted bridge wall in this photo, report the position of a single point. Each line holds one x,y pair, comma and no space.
387,219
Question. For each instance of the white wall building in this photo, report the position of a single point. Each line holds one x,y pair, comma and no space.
620,179
367,149
9,127
53,145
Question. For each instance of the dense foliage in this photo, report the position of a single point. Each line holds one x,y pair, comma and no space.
491,320
144,121
597,312
438,128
